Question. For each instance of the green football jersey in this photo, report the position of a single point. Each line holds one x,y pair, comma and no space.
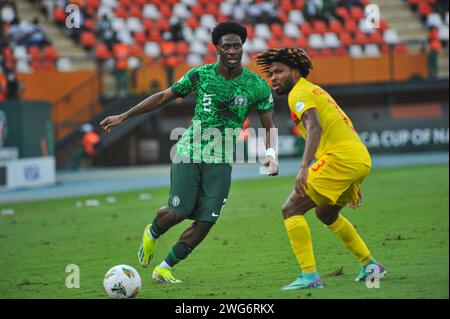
221,107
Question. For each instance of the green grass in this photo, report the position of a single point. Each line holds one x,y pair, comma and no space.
404,221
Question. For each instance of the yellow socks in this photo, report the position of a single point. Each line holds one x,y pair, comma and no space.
300,238
350,238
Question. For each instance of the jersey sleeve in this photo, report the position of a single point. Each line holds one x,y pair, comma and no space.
265,101
299,103
186,84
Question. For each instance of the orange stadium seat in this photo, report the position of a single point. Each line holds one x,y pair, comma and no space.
301,42
306,29
356,13
361,38
346,39
87,39
102,52
277,30
376,38
320,26
350,26
336,26
343,13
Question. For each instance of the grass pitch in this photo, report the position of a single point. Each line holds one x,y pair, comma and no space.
404,221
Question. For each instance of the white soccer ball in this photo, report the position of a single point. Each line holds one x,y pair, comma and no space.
121,282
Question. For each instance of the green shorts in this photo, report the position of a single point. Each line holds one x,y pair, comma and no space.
199,190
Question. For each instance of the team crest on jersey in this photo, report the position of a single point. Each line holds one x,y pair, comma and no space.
299,106
175,201
240,101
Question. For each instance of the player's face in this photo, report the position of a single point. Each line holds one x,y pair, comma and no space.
282,78
230,51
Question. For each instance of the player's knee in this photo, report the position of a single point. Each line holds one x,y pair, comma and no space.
326,218
287,211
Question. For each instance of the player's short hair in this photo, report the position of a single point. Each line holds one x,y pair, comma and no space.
229,27
295,58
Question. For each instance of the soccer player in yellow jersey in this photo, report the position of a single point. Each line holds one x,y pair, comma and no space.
334,180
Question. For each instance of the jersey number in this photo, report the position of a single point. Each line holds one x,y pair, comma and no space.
207,101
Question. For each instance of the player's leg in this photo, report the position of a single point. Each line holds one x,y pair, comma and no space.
185,180
188,240
210,201
299,235
348,235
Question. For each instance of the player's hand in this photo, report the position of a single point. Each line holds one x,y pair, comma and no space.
358,203
300,181
271,165
111,121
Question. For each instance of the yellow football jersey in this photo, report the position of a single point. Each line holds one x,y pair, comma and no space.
336,126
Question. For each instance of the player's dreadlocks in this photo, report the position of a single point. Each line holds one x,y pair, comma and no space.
226,28
293,57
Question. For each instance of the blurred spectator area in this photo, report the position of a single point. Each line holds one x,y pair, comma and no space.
142,45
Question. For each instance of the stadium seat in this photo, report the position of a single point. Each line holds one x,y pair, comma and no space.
136,50
356,51
152,49
20,53
343,13
376,38
194,59
356,13
390,36
401,48
350,26
372,50
301,42
287,43
226,8
23,66
198,47
259,44
277,30
168,47
273,43
102,52
64,65
34,52
150,11
316,41
434,20
291,30
124,36
336,26
208,21
202,34
326,53
331,40
296,16
443,33
134,24
341,51
319,26
306,29
361,38
346,39
87,39
262,31
181,11
118,24
182,48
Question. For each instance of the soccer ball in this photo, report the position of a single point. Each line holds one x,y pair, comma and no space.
122,281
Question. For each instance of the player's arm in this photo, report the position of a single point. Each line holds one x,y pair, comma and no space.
151,103
310,120
271,142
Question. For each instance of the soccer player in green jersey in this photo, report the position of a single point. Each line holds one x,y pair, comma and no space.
226,93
